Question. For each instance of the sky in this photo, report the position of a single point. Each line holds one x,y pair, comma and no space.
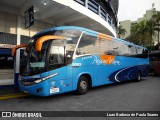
133,9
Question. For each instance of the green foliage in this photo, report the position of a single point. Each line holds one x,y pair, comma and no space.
121,31
142,33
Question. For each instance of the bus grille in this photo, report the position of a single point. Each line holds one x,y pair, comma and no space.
27,83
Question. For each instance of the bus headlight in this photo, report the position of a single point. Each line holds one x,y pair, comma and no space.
45,78
38,81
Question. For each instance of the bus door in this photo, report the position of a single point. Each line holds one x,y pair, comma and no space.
57,63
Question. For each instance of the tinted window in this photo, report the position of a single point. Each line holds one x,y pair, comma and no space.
142,53
133,50
145,53
73,36
57,53
106,47
126,50
88,45
119,47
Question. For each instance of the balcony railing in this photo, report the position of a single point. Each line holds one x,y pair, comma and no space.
96,8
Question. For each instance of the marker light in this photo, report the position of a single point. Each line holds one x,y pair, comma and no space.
45,3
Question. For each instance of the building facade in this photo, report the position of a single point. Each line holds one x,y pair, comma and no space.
127,24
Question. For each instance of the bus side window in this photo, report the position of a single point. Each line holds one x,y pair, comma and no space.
139,52
142,53
119,48
126,50
87,45
106,47
145,53
133,51
56,55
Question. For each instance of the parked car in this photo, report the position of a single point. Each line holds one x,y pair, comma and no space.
154,63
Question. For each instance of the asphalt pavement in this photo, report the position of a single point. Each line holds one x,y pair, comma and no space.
126,96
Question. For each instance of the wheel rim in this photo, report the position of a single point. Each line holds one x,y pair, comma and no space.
83,85
139,77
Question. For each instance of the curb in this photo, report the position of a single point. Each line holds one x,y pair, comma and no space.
10,96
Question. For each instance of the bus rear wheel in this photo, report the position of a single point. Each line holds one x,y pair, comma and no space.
138,77
82,86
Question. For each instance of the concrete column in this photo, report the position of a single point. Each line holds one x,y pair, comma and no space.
17,59
107,17
99,10
18,30
86,3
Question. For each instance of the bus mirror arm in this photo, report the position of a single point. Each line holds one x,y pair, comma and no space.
17,47
42,39
68,59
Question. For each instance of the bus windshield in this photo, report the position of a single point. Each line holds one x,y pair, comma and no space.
33,61
52,52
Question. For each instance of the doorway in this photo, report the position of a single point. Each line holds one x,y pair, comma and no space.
6,67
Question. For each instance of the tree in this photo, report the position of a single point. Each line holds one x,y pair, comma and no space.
150,25
156,18
134,37
139,33
142,33
121,31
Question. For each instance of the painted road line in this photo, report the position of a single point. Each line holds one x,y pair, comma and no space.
10,96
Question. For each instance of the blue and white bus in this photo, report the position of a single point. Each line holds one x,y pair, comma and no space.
70,58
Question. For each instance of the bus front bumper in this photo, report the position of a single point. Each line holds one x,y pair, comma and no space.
39,89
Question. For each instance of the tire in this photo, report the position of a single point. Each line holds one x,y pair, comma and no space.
138,77
152,73
82,87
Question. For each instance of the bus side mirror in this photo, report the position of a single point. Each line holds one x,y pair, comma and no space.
17,47
42,39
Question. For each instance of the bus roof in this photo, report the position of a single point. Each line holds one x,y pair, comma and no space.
92,32
67,28
128,43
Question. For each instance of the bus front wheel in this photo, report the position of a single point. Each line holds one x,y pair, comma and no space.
82,86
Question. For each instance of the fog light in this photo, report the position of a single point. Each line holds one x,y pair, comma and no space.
39,90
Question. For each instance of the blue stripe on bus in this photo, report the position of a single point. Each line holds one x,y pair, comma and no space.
128,73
